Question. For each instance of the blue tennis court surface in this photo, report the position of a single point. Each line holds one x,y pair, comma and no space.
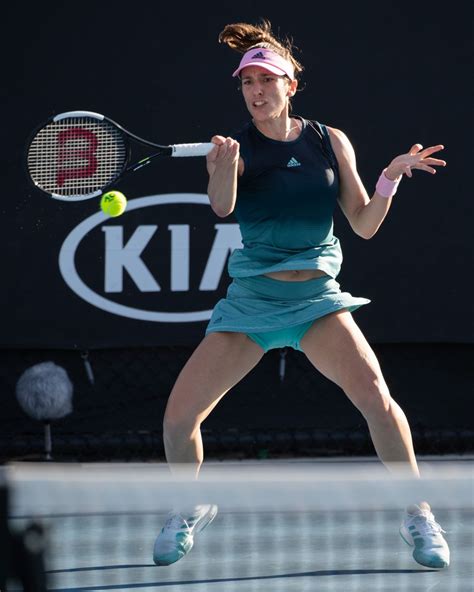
271,545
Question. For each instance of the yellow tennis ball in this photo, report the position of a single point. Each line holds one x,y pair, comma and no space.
113,203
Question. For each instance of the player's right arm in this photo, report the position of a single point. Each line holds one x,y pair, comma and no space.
223,168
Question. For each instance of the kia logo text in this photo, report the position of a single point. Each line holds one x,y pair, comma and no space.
123,259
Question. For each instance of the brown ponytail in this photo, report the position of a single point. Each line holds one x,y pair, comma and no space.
243,36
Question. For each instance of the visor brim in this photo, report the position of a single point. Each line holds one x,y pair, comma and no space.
265,66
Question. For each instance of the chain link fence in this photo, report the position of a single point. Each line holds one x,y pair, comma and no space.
284,407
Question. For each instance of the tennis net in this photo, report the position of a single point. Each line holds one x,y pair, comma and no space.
280,527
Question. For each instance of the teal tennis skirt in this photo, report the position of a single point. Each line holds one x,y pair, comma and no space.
258,305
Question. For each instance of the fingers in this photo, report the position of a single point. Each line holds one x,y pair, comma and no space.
431,150
229,148
416,158
434,161
424,167
422,160
415,149
426,163
226,150
219,140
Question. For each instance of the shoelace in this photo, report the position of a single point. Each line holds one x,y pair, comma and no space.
426,524
176,522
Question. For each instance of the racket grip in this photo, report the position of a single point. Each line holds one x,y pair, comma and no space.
201,149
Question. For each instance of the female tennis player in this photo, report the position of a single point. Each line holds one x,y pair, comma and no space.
283,175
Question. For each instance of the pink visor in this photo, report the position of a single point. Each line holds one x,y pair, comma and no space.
268,59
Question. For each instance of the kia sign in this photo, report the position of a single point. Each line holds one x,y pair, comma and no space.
163,260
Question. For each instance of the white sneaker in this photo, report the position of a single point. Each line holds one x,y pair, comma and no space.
176,538
420,530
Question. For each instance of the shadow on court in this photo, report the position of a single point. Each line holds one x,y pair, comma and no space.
320,573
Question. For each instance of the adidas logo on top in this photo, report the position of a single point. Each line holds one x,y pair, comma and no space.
293,162
258,56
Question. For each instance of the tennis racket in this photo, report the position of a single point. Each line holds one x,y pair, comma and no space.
79,154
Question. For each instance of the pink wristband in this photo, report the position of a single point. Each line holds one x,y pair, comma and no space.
385,187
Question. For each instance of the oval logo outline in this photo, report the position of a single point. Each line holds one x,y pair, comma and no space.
72,278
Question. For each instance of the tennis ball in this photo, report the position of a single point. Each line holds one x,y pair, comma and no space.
113,203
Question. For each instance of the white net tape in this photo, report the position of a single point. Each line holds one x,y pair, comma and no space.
278,528
97,488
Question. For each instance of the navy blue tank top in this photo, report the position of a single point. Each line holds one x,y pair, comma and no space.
285,203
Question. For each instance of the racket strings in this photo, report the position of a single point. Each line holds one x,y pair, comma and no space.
76,156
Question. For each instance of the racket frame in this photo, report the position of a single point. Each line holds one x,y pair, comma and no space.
161,150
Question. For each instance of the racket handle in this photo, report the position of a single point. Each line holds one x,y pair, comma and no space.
201,149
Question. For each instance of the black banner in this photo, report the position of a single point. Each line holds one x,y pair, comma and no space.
73,278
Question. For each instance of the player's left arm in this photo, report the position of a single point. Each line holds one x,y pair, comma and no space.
365,214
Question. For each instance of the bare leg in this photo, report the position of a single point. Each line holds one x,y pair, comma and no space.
218,363
338,349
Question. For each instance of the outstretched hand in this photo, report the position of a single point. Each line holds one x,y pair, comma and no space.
416,158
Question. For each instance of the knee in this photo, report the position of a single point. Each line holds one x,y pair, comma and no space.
372,398
177,426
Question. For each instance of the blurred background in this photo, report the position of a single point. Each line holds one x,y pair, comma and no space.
387,74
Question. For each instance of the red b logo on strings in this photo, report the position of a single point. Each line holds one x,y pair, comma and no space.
73,154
